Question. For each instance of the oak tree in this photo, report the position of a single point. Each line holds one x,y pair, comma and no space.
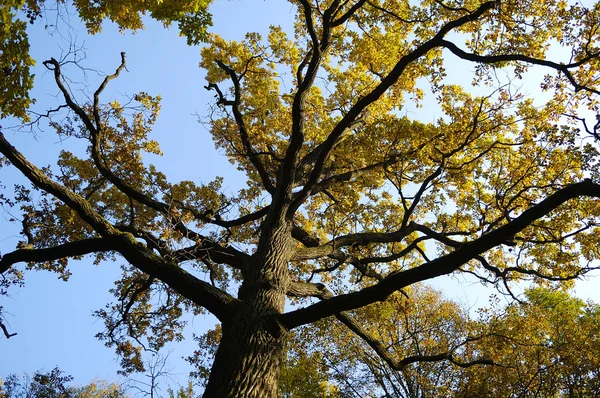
348,201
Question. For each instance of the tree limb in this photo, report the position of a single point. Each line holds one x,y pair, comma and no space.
491,59
361,238
319,290
287,172
239,119
96,139
348,14
70,249
440,266
5,331
71,199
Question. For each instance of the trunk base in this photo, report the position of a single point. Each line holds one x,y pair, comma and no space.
248,361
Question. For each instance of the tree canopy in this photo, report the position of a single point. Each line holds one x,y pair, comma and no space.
349,202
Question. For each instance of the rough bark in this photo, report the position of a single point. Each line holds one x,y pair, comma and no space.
249,356
248,359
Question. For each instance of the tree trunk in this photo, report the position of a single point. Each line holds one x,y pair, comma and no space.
248,361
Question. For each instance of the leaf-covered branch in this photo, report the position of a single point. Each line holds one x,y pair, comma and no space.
141,257
318,49
363,102
96,131
253,156
41,180
442,265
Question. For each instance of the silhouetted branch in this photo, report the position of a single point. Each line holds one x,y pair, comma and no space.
492,59
71,249
5,331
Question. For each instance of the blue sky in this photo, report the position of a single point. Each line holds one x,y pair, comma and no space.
52,318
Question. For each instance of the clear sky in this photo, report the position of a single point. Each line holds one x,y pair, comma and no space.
52,318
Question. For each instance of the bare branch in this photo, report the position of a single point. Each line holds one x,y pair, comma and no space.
108,78
5,330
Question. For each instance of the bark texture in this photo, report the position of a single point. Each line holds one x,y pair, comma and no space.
248,360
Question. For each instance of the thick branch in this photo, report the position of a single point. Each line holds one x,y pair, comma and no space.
307,289
348,14
440,266
213,252
200,292
257,215
492,59
41,180
288,168
71,249
5,331
362,238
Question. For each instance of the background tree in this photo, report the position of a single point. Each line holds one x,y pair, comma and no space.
546,345
346,198
158,371
54,384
